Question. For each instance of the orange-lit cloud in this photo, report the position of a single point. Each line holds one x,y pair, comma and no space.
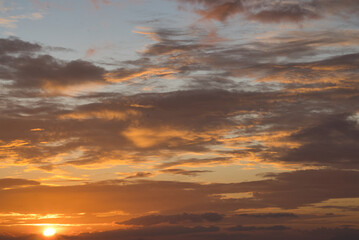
271,12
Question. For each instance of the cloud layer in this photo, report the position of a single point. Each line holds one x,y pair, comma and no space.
238,122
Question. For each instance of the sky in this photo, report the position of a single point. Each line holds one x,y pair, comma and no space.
179,119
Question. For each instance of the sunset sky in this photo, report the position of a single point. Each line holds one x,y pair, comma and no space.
179,119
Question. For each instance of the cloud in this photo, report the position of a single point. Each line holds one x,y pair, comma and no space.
16,182
96,129
194,162
184,172
95,50
285,190
256,228
139,175
344,208
173,219
160,231
214,119
96,122
268,215
11,21
209,233
15,45
272,11
263,218
275,100
308,185
210,119
90,52
285,58
124,75
31,70
334,141
97,4
51,74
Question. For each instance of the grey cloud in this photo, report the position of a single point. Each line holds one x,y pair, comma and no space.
15,45
46,71
284,190
256,228
172,41
184,172
193,161
285,58
210,233
344,208
273,11
307,186
149,232
25,65
12,237
140,175
284,13
16,182
100,127
268,215
334,142
269,218
173,219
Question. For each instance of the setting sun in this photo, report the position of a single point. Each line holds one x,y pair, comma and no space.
48,232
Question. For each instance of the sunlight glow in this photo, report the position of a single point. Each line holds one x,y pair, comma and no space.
48,232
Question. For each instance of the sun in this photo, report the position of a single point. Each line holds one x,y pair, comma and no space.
48,232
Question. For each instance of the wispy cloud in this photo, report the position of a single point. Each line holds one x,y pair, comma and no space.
272,11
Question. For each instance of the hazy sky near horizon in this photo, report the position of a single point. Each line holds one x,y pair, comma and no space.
172,119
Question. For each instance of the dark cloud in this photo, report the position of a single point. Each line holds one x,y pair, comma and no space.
148,232
270,218
184,172
286,58
103,128
173,219
100,128
210,233
273,11
16,182
172,41
15,45
332,142
268,215
344,208
290,12
256,228
140,175
12,237
194,162
144,123
49,73
310,186
24,64
284,190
